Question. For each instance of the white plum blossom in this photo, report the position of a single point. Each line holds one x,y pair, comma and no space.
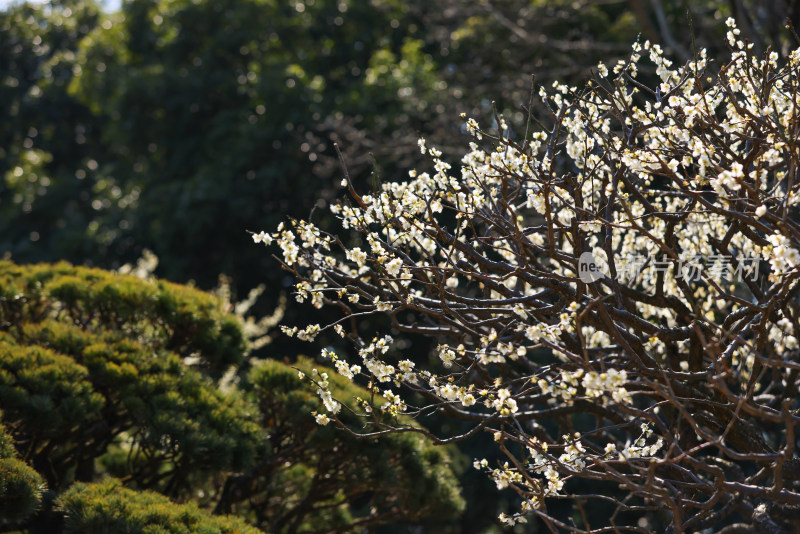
674,194
447,355
393,266
262,237
346,370
380,370
357,255
322,419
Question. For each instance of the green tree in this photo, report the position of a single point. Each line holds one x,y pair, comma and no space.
211,126
177,125
110,507
47,186
109,375
94,361
335,481
20,486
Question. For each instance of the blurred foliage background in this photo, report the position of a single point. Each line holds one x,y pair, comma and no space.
178,125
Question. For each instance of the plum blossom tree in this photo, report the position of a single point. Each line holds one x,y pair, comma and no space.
613,291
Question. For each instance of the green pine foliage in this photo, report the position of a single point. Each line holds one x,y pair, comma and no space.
74,383
335,479
20,486
167,316
89,356
112,393
110,507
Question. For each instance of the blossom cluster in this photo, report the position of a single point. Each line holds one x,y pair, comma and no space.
483,258
595,384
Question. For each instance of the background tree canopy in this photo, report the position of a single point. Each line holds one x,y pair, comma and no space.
176,126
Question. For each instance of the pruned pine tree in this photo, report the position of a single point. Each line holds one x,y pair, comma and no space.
122,397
